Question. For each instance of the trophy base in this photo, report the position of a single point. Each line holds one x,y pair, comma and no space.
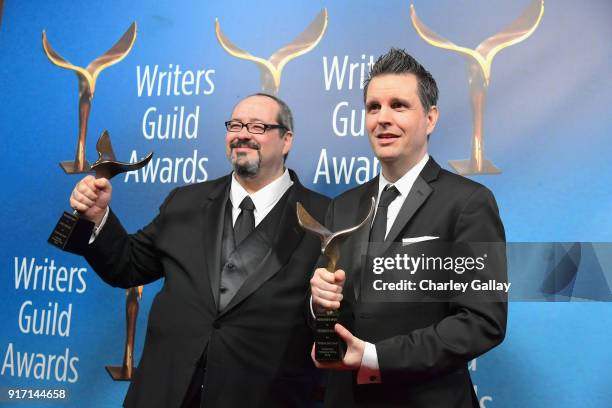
467,167
328,346
72,233
120,374
70,167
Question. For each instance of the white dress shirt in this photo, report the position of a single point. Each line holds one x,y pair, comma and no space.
264,199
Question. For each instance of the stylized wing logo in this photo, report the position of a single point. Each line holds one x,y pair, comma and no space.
519,30
272,68
479,67
87,86
89,74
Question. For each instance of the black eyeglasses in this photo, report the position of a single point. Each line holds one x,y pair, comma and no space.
254,128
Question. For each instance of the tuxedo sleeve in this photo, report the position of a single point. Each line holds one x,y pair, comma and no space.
472,326
124,260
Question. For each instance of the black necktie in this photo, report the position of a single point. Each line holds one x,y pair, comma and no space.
378,231
379,227
245,223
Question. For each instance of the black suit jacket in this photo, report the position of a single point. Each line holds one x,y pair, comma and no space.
422,348
258,346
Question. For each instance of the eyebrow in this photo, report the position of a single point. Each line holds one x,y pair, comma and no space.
401,100
250,120
392,101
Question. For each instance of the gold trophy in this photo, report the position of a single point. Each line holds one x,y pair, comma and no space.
126,371
272,68
72,232
87,85
479,68
328,346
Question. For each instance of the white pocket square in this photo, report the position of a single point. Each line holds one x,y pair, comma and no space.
408,241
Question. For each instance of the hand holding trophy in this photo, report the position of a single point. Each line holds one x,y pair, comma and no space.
328,284
72,232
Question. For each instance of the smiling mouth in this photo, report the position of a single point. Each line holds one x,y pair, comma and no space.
387,136
244,145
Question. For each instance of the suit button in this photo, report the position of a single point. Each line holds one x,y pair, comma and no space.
230,265
217,325
222,289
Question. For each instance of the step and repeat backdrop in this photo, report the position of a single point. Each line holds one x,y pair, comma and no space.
526,82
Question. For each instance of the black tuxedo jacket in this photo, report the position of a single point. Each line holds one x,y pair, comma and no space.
258,347
422,348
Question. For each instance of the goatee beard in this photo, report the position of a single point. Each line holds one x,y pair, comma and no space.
248,169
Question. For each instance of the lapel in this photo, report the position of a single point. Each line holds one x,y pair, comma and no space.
361,236
418,194
212,228
278,248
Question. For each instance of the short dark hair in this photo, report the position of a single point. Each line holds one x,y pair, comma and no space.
397,61
284,117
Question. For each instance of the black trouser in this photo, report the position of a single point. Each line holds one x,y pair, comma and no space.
194,391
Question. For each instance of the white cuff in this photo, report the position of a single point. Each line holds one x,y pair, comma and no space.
369,372
312,309
98,228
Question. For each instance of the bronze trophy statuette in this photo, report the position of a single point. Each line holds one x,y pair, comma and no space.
125,372
72,233
271,69
87,84
328,346
479,62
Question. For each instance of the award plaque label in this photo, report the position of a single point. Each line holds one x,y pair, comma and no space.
72,233
328,346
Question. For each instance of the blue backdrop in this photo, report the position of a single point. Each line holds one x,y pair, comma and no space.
547,127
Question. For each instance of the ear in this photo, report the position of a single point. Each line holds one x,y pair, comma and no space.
288,141
432,119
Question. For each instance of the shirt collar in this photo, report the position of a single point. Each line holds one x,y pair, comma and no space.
263,197
404,184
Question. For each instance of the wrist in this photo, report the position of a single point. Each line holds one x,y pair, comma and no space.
97,218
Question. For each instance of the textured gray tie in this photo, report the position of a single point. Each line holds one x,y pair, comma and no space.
245,223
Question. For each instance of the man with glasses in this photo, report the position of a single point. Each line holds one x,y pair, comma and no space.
227,329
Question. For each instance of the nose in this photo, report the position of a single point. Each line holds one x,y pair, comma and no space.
243,134
384,116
